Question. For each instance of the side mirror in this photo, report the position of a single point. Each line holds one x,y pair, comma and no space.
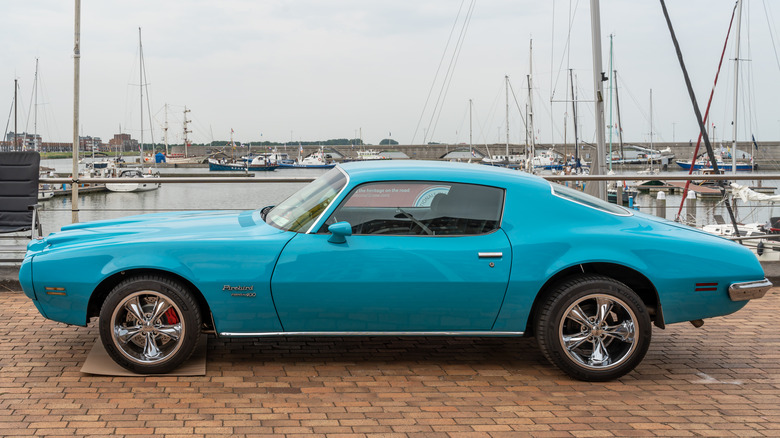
339,232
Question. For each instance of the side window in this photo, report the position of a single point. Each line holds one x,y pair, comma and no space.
420,208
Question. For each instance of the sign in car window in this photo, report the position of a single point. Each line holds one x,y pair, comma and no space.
400,194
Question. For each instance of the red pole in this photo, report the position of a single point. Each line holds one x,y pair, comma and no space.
706,115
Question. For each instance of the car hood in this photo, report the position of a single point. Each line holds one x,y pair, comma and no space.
158,227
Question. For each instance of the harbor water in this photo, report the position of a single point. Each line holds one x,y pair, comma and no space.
56,212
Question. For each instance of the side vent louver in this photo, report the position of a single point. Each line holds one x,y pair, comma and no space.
706,287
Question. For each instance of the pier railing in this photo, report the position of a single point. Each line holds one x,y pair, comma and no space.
658,207
585,178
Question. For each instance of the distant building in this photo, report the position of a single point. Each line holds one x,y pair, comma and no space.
123,143
56,147
90,144
21,141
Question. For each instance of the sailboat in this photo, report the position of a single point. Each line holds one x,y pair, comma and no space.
145,182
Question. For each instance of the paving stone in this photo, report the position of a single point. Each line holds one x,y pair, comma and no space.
720,380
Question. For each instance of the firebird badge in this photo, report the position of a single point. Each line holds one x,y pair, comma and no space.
230,288
240,291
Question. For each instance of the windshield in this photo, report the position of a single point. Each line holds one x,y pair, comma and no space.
299,211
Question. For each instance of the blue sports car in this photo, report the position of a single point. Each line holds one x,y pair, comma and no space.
395,248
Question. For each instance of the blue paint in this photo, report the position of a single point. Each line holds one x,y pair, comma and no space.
305,282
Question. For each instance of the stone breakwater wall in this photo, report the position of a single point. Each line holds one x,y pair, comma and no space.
767,156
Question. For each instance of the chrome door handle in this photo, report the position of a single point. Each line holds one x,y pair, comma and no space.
491,255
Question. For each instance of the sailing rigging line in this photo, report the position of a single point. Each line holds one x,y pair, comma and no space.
447,80
481,129
16,102
706,115
8,121
438,69
698,117
462,122
514,96
566,48
771,34
491,115
552,91
33,99
145,84
451,70
565,56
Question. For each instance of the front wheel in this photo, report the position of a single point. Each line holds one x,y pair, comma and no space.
594,328
149,325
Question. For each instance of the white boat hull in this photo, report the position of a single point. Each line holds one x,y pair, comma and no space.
132,187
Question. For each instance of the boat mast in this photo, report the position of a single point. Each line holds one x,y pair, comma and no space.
651,127
165,130
736,87
611,85
35,108
597,163
651,118
186,131
506,86
471,143
617,107
530,126
76,79
574,118
141,88
16,130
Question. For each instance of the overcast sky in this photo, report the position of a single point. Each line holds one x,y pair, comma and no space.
310,70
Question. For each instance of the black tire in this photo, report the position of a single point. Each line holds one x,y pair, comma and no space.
149,324
588,345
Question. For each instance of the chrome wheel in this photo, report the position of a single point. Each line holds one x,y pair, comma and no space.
593,328
598,331
147,327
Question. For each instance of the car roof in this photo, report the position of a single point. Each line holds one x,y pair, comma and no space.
389,170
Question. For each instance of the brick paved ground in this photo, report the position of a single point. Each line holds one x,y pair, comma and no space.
720,380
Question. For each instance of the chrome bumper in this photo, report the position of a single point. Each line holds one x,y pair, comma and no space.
749,290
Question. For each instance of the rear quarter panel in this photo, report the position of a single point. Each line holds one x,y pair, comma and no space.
549,234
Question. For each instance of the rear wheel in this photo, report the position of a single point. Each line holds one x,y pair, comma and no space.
594,328
149,325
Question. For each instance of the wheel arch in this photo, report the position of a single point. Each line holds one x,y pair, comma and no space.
632,278
102,290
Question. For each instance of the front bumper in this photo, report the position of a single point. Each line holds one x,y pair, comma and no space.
749,290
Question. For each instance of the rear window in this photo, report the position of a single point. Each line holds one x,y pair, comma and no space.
590,201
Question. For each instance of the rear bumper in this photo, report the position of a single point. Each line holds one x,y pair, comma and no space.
749,290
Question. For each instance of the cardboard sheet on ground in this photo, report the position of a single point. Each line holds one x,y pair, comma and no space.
100,363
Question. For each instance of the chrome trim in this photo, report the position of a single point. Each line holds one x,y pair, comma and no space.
322,217
490,255
376,333
749,290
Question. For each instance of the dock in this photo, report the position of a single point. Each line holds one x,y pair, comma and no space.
676,187
83,188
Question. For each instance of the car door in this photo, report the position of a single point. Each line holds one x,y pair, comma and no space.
422,257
